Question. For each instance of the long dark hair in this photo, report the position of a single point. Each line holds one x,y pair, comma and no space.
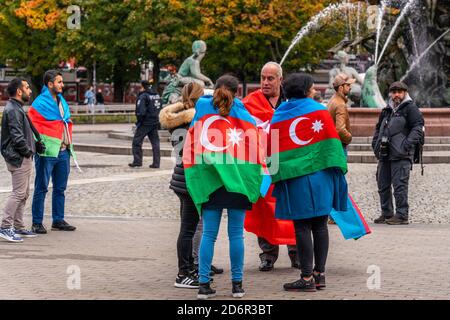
224,92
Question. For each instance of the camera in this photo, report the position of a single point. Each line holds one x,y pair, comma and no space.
384,148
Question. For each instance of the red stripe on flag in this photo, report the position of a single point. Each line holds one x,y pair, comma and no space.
52,128
361,217
304,130
213,133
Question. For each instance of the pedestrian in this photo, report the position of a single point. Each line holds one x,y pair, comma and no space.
177,118
100,100
17,147
399,130
89,99
309,180
261,219
222,172
337,106
50,115
148,105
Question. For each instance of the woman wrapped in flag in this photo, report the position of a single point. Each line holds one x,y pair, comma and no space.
308,168
223,170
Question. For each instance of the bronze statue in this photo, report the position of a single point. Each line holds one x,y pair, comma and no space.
189,72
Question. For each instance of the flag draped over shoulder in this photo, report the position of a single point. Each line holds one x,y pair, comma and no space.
261,219
308,141
223,152
351,222
46,117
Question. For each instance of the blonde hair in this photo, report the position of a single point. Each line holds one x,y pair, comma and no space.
190,94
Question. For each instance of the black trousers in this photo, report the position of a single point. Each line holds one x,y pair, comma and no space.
141,132
396,174
271,251
308,251
189,221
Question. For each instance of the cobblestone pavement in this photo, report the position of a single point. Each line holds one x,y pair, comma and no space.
136,259
108,187
125,245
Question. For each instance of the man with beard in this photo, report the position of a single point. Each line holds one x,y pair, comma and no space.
50,114
18,148
399,130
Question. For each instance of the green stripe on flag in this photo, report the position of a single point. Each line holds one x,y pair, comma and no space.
306,160
214,170
52,146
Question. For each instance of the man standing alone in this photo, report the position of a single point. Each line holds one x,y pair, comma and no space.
398,131
148,104
18,147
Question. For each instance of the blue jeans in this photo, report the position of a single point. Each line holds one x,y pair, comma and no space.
211,223
58,169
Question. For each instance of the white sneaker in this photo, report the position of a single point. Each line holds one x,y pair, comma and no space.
9,235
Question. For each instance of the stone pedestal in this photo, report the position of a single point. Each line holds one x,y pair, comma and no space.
363,121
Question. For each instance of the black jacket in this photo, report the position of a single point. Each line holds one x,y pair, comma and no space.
148,105
404,128
15,131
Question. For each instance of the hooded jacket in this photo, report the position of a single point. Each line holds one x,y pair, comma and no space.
173,117
404,128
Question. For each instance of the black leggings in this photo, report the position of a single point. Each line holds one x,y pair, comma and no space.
306,250
189,221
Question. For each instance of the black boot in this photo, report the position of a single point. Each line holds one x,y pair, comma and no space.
205,291
237,290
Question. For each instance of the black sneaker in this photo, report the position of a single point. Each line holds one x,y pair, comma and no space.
266,265
396,220
154,166
62,226
301,285
134,165
237,290
381,219
205,291
189,281
216,270
319,280
38,228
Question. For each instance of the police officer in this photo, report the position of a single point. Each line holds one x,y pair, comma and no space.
148,105
399,129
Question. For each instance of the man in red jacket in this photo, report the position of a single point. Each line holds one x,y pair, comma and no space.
261,219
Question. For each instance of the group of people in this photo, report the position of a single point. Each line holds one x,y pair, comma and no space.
308,181
226,159
44,135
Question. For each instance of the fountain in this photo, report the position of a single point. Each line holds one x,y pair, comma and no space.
415,49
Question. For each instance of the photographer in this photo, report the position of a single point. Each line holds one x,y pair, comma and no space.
398,131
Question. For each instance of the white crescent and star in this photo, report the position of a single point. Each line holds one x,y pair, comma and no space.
317,126
234,135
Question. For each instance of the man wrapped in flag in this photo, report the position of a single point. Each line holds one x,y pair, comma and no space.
261,220
50,114
308,172
224,168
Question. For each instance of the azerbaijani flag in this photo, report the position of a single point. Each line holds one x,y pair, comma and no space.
223,151
308,140
46,117
261,219
351,222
